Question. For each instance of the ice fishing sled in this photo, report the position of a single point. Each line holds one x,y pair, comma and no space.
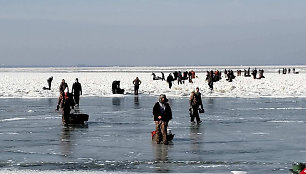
75,118
116,88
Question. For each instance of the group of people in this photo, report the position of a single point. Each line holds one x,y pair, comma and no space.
180,77
162,114
287,71
64,93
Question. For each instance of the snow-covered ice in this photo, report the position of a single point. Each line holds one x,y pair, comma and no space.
97,81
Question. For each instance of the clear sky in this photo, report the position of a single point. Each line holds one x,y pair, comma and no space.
152,32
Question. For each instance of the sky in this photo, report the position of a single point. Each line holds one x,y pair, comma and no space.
152,32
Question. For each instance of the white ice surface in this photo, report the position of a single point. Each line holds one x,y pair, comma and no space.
97,81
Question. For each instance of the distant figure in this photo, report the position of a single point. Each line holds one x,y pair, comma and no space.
210,80
76,91
162,115
254,73
156,77
63,86
169,80
179,78
261,71
136,83
163,76
49,82
116,87
195,102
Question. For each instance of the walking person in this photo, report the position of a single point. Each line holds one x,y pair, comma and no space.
194,104
76,91
162,115
136,83
63,86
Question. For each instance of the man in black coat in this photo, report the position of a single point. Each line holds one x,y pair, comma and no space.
162,115
77,91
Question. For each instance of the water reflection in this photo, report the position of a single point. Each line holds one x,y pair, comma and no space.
116,101
136,102
68,139
210,103
161,158
195,138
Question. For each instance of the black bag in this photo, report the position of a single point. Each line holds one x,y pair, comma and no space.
201,110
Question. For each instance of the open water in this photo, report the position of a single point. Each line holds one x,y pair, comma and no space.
258,135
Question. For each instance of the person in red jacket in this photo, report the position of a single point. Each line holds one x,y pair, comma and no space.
162,115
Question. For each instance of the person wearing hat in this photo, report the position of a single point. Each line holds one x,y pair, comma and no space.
76,91
162,115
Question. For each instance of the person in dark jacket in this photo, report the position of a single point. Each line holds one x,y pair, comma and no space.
162,115
136,83
76,91
49,82
195,102
170,80
66,104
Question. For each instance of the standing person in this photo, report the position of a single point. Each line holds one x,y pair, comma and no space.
49,80
163,76
136,83
62,88
210,80
66,104
194,108
162,115
169,80
76,91
199,98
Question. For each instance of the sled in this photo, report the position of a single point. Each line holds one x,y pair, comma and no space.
76,118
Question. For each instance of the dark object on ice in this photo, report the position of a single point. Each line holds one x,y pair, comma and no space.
297,168
76,118
201,110
169,136
45,88
116,88
66,104
156,77
49,80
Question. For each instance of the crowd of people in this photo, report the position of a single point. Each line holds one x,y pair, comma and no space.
162,112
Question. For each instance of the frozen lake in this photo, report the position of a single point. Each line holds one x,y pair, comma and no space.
258,135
